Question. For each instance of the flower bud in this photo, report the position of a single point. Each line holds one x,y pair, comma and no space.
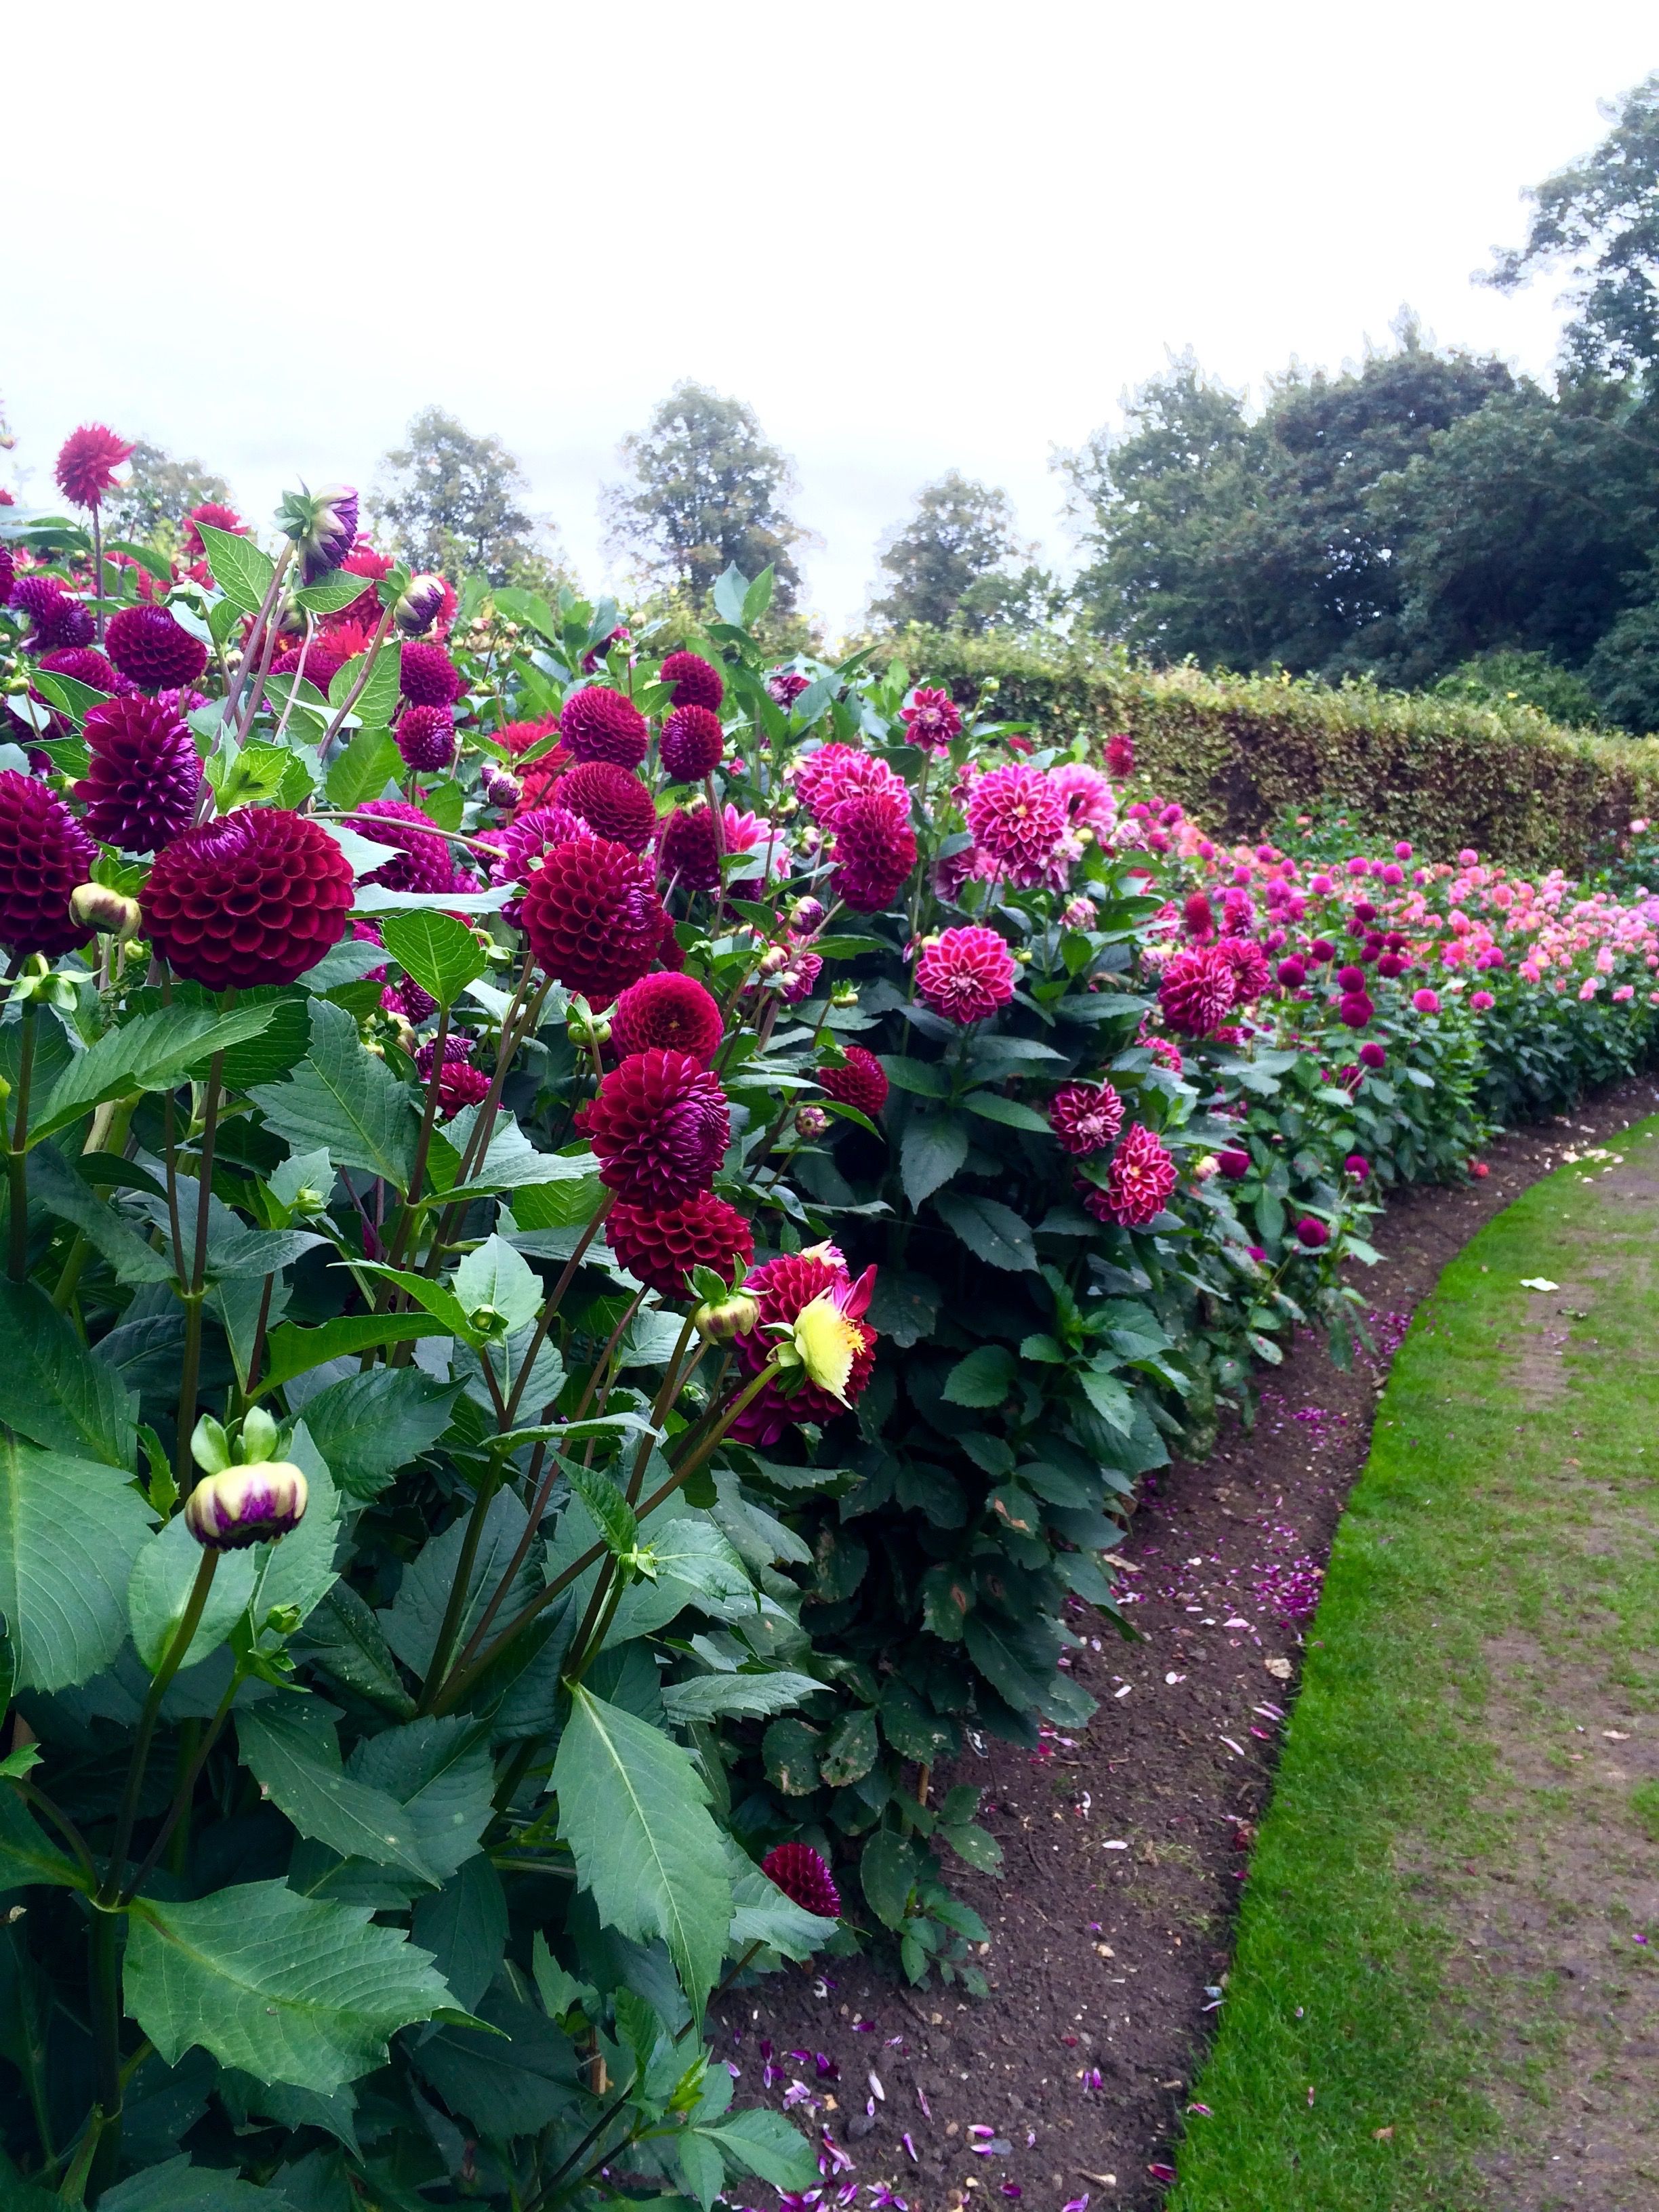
807,912
844,994
247,1505
775,960
811,1122
419,606
721,1319
323,525
501,787
95,906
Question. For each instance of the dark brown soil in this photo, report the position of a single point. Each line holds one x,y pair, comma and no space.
1125,1848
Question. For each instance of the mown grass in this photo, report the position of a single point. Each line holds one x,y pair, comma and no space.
1352,2072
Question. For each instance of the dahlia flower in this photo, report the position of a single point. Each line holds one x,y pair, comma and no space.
673,1013
782,1291
966,975
598,724
592,917
82,664
245,1505
803,1874
834,773
1017,817
932,719
56,618
420,861
425,735
613,803
1248,964
860,1081
659,1126
691,745
323,525
1085,1117
86,462
216,517
45,854
419,606
522,844
1087,797
1121,755
875,849
256,897
1139,1181
784,685
428,677
661,1245
686,849
696,682
155,651
143,775
1195,992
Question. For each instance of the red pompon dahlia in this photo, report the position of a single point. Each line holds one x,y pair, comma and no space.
86,462
1085,1117
421,861
673,1013
1121,755
804,1876
692,743
686,849
57,619
696,682
875,850
659,1125
593,917
157,653
861,1082
425,735
1141,1176
661,1245
1197,918
519,736
82,664
1017,817
782,1290
44,854
613,803
598,724
431,677
932,719
1251,974
1196,991
670,951
142,776
217,518
319,663
966,975
525,843
460,1084
257,897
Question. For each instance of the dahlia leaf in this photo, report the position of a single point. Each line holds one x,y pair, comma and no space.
155,1052
290,1749
991,1106
163,1575
296,1350
932,1148
442,1773
52,1389
634,1810
609,1511
438,1300
983,1379
288,1988
69,1532
737,1697
413,1619
758,597
440,954
238,567
179,2186
370,1425
145,556
731,589
363,770
764,2143
494,1276
331,596
344,1099
887,1872
27,1859
991,1231
377,898
377,702
67,692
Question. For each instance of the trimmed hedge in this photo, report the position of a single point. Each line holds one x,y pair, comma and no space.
1237,751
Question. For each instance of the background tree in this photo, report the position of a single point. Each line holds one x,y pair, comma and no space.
157,493
958,564
705,489
452,505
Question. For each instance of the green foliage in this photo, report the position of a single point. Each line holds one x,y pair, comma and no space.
957,564
451,504
157,493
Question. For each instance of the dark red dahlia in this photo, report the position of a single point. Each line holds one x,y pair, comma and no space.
1085,1117
431,677
1196,991
875,850
519,738
422,861
696,682
365,611
319,663
804,1876
669,950
82,664
143,776
1197,918
1251,974
932,719
257,897
1139,1181
425,737
86,462
686,849
692,742
659,1125
593,917
611,802
661,1246
44,854
157,653
1121,755
598,724
673,1012
538,782
782,1289
861,1082
57,619
786,685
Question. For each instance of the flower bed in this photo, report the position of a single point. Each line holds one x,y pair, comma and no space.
720,1181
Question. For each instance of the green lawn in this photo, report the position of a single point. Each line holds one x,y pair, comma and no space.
1468,1788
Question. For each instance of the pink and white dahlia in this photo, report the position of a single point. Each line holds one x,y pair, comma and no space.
1018,817
1196,991
1085,1117
932,719
1138,1183
966,975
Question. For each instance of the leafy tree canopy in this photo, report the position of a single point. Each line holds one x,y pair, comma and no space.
452,505
958,564
158,492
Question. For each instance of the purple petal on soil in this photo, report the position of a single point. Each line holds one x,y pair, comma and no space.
910,2147
922,2098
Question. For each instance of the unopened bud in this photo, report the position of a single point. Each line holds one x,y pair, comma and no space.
95,906
774,959
501,787
722,1319
811,1121
807,912
844,994
247,1505
419,606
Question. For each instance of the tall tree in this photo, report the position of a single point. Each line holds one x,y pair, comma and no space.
959,563
452,505
158,492
705,490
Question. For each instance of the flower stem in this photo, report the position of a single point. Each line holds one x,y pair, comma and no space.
17,1169
172,1659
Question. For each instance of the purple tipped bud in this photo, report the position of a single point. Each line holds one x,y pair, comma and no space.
501,787
419,606
807,912
811,1121
95,906
323,524
247,1505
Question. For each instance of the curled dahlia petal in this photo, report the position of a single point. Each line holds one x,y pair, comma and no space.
875,850
460,1084
1017,816
1086,796
598,724
1085,1117
804,1876
613,803
692,743
525,843
661,1245
143,776
420,861
784,685
425,735
782,1290
44,854
1196,991
673,1012
861,1081
86,462
1141,1176
966,975
696,682
659,1126
593,917
256,897
157,653
429,677
932,719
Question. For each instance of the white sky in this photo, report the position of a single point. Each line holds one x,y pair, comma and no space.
915,234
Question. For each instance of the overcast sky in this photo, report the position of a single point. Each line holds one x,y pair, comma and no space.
915,234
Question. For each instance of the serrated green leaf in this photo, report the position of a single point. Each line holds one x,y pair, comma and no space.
238,567
932,1150
439,1772
164,1574
69,1532
333,594
363,770
290,1750
26,1855
763,2142
371,1425
154,1051
176,2186
991,1231
887,1874
442,954
991,1106
737,1697
53,1390
494,1275
608,1508
294,1350
413,1619
345,1100
377,701
984,1378
925,1077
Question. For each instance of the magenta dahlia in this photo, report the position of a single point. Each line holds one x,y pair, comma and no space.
8,573
782,1289
155,651
429,677
966,975
659,1126
784,685
44,854
836,773
661,1245
686,849
86,462
420,861
593,917
57,619
318,662
1018,817
525,843
598,724
804,1876
691,746
1196,991
696,682
1251,974
860,1081
932,719
1313,1235
256,897
143,776
217,518
875,850
613,803
1121,755
673,1013
1139,1181
82,664
425,735
1085,1117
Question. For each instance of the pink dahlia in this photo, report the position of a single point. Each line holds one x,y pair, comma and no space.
217,518
932,719
1313,1235
782,1290
44,855
836,773
692,743
1017,817
804,1876
659,1127
157,653
966,975
257,897
1085,1117
1087,797
661,1245
672,1012
143,776
860,1081
86,462
421,861
1139,1181
1248,963
425,737
784,685
875,849
523,843
1196,991
593,917
598,724
429,677
696,682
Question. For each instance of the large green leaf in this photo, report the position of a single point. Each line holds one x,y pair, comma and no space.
63,1190
341,1098
377,701
440,953
934,1146
25,1856
296,1350
69,1532
370,1426
291,1751
991,1231
634,1810
343,1639
179,2186
983,1378
764,2143
238,567
163,1575
440,1771
464,1926
53,1390
496,1276
737,1697
288,1988
363,770
153,1052
411,1625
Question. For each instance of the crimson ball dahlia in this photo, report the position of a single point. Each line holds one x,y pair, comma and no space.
82,664
696,682
143,776
661,1245
1121,755
1085,1117
158,653
318,662
673,1012
86,462
1196,991
932,719
425,735
519,738
1234,1162
804,1876
613,803
875,850
1197,918
1312,1235
421,860
44,854
593,917
56,618
861,1082
782,1290
966,975
216,517
598,724
1139,1181
1251,974
257,897
686,849
659,1126
460,1084
692,743
431,677
1354,1009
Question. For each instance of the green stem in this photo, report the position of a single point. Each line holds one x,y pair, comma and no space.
449,1628
74,1260
191,1369
184,1796
17,1169
358,688
171,1661
423,1142
104,1970
551,1307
